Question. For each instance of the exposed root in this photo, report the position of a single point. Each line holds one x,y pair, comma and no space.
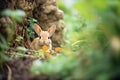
9,73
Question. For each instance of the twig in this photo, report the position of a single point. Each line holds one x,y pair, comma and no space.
9,73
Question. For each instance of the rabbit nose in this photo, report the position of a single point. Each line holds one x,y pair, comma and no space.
44,42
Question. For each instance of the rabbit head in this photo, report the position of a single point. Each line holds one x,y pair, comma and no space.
44,36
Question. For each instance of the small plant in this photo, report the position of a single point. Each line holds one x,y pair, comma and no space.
44,52
20,52
3,47
30,27
19,39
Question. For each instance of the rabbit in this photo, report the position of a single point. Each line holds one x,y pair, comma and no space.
43,37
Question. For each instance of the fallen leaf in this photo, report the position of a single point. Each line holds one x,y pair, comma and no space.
47,54
58,49
28,42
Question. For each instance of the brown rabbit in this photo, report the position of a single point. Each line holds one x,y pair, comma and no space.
43,37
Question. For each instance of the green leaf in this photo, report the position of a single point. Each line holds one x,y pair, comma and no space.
21,49
16,15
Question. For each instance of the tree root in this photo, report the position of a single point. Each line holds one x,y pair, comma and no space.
9,73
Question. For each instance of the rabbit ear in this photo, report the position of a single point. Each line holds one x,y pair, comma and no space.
52,29
37,29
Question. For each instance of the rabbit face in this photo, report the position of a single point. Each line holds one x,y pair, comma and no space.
44,38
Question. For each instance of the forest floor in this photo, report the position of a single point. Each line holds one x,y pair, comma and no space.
18,69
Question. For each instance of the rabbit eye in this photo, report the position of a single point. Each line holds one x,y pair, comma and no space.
39,37
48,37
